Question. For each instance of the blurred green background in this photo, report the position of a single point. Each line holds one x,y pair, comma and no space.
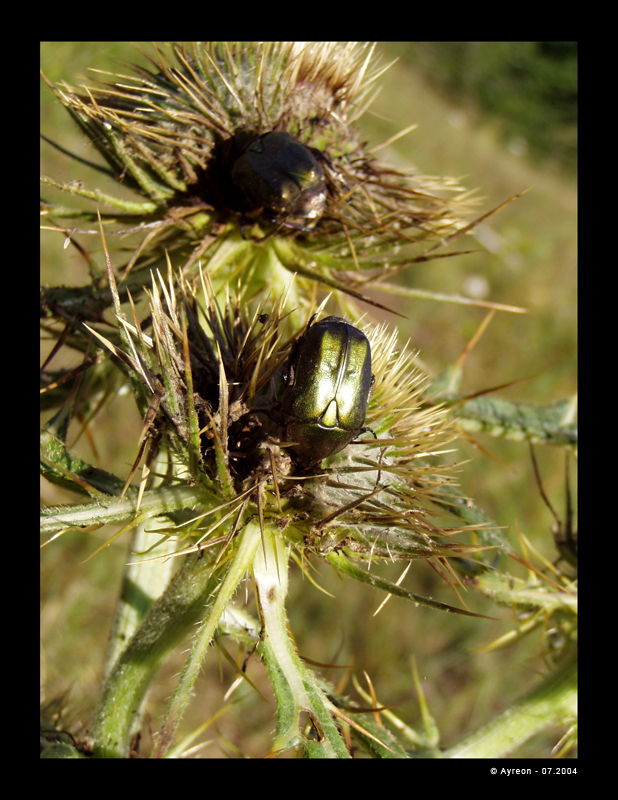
501,116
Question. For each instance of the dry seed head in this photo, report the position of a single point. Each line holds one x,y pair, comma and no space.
174,131
218,411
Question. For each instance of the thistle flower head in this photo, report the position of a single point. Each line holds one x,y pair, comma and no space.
219,377
232,144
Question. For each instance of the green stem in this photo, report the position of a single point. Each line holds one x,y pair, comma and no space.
144,580
249,541
300,701
174,614
109,509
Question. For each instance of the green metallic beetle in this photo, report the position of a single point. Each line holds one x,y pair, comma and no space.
278,175
327,388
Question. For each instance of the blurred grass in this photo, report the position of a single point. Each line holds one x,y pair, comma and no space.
527,89
530,262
